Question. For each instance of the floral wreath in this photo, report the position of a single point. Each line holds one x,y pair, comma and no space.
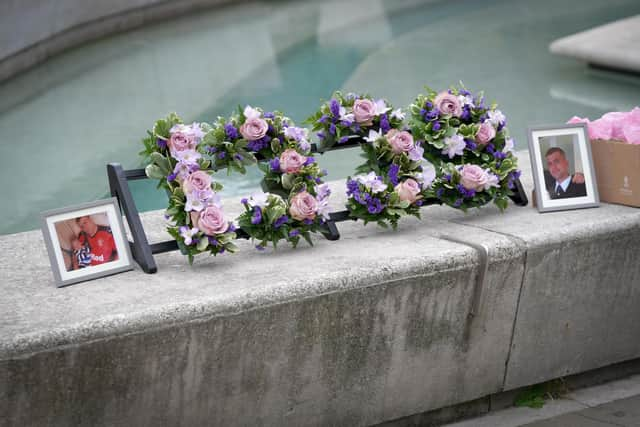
395,180
469,144
297,202
175,157
344,118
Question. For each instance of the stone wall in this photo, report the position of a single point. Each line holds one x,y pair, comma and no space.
377,326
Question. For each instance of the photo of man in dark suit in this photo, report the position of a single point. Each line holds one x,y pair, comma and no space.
560,184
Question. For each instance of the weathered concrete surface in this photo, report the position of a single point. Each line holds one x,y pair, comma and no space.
372,328
615,45
331,335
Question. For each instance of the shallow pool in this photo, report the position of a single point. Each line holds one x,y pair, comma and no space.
61,122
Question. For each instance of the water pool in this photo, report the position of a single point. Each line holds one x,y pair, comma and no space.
61,122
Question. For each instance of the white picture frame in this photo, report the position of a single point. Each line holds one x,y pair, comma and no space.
86,241
556,151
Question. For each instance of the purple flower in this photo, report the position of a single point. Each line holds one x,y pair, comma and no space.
465,92
346,123
419,202
308,221
491,148
310,160
501,125
260,247
161,143
275,164
343,139
439,192
257,215
393,173
465,192
332,129
171,177
334,106
212,150
213,241
428,104
384,123
244,201
294,233
436,126
447,177
238,157
231,227
231,131
323,118
431,115
457,203
280,221
374,205
222,155
320,135
466,113
471,145
269,115
499,155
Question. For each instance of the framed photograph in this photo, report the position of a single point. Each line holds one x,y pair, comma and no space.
563,171
86,242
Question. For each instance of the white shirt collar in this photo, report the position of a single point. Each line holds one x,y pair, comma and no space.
564,184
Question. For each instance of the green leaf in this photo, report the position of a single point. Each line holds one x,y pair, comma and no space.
154,172
162,162
287,181
203,243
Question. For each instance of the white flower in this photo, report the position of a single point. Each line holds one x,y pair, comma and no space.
466,100
251,113
492,180
454,146
323,208
259,199
496,117
189,157
509,145
428,175
346,117
381,107
372,182
373,136
398,114
187,234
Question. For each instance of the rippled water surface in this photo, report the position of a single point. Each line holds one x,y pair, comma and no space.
61,122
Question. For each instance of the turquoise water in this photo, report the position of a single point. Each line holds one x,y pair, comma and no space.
61,122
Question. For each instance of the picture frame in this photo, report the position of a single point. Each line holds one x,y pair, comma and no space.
86,241
560,160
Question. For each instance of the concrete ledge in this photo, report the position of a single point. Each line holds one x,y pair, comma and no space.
372,328
615,45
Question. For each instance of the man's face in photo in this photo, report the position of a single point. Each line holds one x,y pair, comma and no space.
87,225
558,166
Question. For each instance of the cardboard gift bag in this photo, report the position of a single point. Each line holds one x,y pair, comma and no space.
617,167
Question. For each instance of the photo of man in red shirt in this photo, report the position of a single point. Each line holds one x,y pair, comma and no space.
99,239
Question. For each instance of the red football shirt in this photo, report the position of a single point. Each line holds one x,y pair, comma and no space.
103,247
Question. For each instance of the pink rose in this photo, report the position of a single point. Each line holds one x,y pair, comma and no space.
364,110
473,177
197,181
291,161
485,133
210,221
254,128
401,142
182,139
303,206
408,190
447,103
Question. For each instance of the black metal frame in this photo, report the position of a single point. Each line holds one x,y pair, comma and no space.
143,252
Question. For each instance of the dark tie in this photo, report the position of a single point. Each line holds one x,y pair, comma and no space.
559,191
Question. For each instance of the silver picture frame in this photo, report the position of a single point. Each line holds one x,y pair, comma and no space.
63,228
556,150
